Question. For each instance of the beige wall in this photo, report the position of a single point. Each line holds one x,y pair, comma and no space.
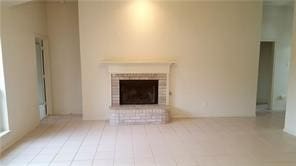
19,26
65,57
216,47
290,123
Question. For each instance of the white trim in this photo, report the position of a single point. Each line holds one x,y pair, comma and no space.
47,66
289,131
139,68
3,133
4,114
137,62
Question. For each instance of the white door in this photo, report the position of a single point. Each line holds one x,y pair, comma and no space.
42,106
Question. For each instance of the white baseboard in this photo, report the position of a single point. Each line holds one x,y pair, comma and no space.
290,131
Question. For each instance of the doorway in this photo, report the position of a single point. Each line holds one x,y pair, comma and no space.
41,76
265,76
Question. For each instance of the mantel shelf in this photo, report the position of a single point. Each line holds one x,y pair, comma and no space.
136,62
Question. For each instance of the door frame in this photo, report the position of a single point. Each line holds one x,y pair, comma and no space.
273,69
47,68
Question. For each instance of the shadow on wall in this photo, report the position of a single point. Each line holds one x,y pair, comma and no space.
176,112
1,111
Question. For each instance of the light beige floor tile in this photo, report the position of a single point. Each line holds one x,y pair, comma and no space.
65,140
61,163
145,161
99,162
84,156
82,163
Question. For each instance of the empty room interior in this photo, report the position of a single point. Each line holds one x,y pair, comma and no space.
147,83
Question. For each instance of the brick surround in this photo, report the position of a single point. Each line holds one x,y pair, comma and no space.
139,114
162,84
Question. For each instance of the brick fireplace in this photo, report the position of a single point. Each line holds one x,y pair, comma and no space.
161,78
139,93
139,110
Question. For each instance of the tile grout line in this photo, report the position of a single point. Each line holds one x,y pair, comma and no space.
114,154
26,136
48,128
182,138
88,131
132,133
163,137
98,144
75,128
59,129
153,155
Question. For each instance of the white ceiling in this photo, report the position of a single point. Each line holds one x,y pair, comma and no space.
19,2
266,2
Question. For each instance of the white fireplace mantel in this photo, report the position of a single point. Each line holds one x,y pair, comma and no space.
137,62
132,66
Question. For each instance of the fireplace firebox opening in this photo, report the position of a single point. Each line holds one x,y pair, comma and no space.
134,92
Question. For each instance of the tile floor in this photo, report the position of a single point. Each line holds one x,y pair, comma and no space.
67,140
